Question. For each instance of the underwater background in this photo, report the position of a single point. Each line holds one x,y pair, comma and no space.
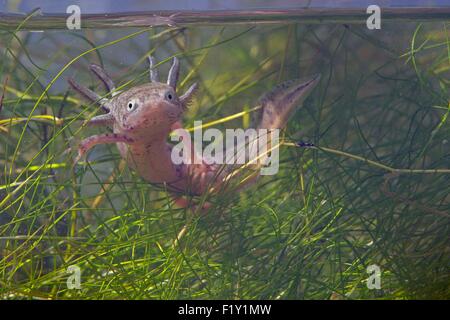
374,189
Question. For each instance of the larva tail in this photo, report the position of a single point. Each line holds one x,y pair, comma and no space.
282,101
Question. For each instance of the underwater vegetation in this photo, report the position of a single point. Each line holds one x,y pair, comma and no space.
364,175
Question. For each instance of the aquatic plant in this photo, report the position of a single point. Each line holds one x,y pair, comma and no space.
345,197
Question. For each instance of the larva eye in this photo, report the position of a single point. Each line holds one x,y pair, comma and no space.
131,105
170,96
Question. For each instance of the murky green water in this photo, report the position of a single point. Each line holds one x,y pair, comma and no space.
309,232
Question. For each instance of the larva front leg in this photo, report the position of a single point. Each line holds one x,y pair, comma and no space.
92,141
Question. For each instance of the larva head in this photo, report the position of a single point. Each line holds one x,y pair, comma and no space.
144,111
